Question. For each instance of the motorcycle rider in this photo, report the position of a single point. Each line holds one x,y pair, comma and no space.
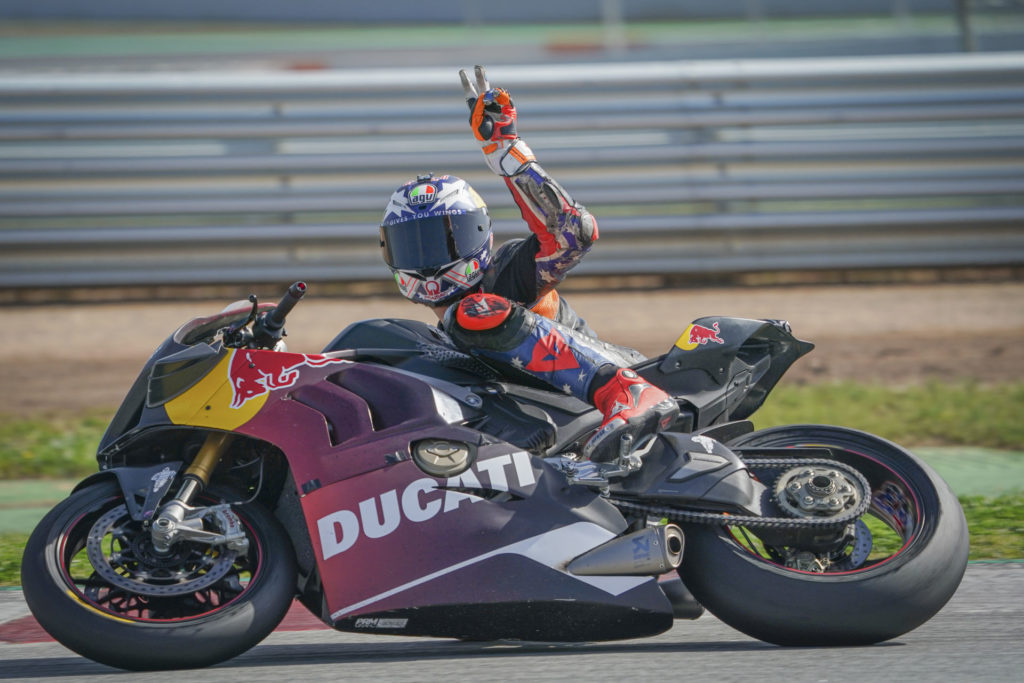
502,305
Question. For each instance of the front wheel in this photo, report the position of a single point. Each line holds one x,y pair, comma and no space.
906,557
94,581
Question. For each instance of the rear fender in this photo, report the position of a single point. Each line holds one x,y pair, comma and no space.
723,368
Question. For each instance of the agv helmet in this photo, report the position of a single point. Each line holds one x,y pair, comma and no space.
436,239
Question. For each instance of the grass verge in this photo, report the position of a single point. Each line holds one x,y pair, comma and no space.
12,546
60,447
932,414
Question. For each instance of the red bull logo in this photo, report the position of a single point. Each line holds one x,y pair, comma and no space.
698,335
255,373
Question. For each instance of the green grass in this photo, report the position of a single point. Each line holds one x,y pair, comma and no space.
933,414
62,447
11,548
996,526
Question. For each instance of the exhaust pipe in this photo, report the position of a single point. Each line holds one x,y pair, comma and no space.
651,551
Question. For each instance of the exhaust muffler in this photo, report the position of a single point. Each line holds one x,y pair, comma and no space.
651,551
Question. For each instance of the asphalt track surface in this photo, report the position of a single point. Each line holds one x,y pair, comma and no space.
976,637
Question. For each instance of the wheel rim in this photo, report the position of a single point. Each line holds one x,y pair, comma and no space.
107,561
885,533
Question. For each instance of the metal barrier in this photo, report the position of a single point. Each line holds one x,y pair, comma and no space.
690,167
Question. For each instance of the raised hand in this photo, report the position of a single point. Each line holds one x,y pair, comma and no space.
492,112
492,116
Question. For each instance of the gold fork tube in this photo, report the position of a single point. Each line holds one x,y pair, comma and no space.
208,457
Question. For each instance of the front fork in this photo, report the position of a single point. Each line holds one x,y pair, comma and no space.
179,521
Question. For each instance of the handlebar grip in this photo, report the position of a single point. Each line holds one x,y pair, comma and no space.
275,319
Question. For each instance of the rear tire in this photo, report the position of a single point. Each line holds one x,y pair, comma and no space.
107,623
882,598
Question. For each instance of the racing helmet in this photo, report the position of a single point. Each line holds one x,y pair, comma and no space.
436,238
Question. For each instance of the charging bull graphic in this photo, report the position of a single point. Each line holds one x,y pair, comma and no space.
254,373
698,335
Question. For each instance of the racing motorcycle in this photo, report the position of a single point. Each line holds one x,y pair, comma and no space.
394,484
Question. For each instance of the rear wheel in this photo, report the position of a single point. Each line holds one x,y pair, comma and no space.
904,561
94,581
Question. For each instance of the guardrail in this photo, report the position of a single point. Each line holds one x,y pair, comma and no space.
690,167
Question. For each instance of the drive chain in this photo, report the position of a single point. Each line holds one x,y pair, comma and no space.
674,514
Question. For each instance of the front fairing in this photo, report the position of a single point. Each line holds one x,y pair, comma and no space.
200,334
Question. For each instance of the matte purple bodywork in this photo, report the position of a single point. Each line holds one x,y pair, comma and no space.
388,537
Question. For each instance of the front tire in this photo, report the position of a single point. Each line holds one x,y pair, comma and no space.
882,597
196,607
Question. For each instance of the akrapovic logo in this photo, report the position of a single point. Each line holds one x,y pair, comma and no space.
420,501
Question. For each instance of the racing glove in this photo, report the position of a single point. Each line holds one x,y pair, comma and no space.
492,117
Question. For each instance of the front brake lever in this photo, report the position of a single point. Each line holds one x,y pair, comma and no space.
237,335
269,327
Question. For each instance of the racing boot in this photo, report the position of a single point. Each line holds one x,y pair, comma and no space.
632,406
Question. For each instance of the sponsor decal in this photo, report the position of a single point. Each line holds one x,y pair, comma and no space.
369,622
552,353
641,549
431,289
420,501
255,373
707,443
405,216
423,194
161,478
465,277
698,335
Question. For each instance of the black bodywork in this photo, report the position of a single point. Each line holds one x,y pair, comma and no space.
714,383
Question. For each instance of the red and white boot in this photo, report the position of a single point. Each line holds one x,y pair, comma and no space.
631,405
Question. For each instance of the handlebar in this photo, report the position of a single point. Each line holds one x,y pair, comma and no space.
275,319
268,327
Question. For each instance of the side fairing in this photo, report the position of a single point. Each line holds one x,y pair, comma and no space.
398,542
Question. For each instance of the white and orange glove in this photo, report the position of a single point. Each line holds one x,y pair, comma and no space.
493,120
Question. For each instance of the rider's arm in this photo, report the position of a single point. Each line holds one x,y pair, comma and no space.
564,229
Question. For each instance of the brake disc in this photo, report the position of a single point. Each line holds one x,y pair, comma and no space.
130,562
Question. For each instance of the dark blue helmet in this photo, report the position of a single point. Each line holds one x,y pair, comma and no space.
436,238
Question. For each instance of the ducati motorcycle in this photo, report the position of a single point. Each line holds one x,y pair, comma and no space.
394,484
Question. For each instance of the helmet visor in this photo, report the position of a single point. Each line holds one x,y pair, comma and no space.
434,241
